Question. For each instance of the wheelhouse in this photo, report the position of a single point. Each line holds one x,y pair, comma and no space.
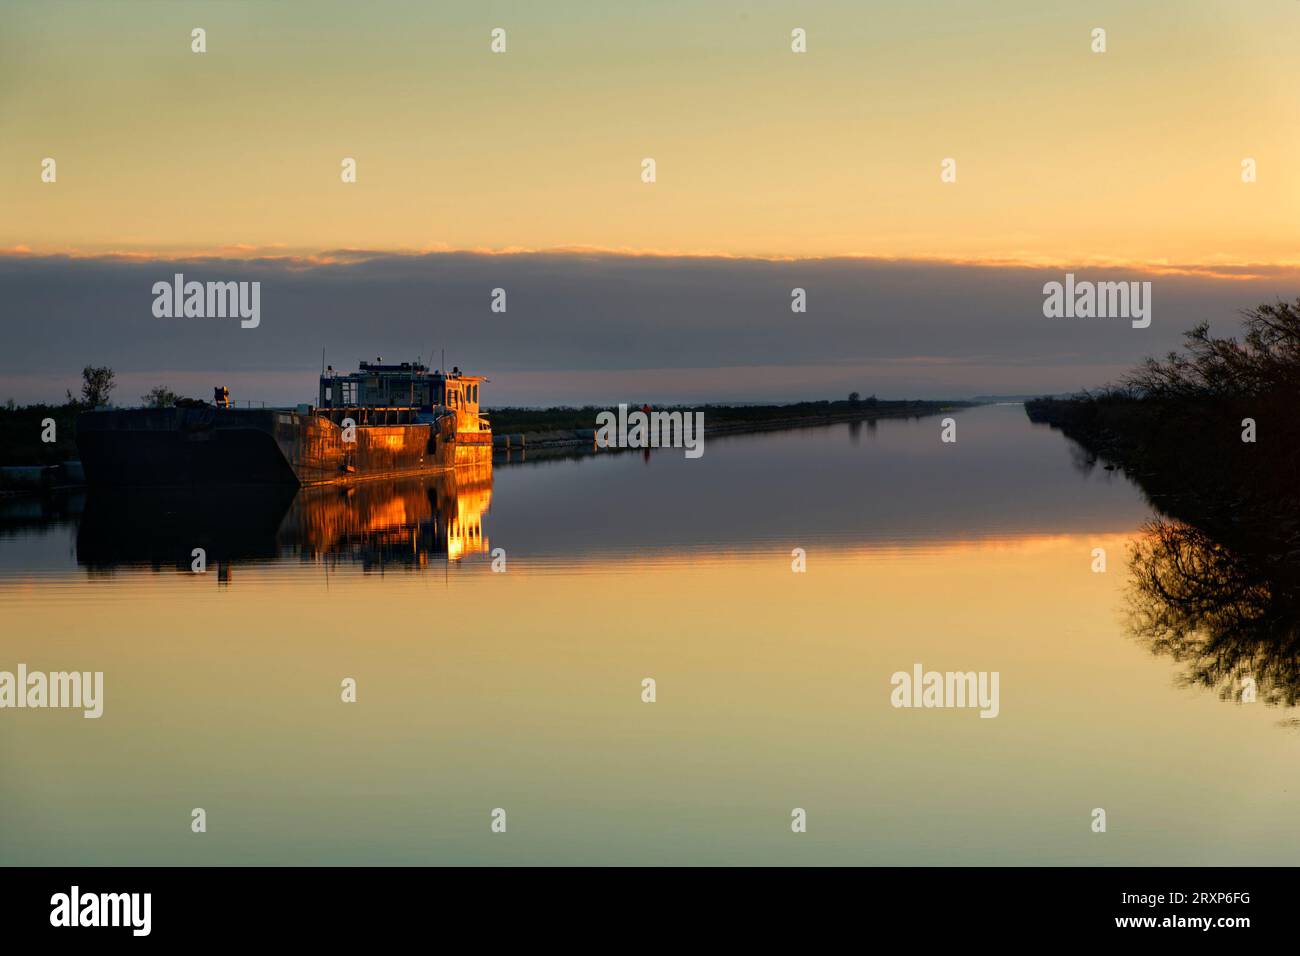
408,385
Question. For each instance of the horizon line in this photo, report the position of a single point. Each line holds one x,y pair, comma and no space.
1223,268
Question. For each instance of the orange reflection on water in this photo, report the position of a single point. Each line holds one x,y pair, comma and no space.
436,515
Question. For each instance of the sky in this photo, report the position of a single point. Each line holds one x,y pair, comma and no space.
523,170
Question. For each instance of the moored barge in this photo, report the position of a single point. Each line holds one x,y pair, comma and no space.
382,420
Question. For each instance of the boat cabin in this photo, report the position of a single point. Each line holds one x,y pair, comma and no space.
408,385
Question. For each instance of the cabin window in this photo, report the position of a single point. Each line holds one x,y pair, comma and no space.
329,393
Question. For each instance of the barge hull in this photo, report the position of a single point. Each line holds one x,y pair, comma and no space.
197,446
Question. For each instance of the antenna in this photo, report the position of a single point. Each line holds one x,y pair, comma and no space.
322,360
444,361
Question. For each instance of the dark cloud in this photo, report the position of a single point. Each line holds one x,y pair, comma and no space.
670,327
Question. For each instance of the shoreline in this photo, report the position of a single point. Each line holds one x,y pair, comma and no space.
556,443
516,444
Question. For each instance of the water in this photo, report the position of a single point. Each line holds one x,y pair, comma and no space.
522,690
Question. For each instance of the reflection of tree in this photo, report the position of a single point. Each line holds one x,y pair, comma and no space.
1082,459
1223,613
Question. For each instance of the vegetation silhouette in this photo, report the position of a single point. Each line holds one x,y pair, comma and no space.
1211,434
1265,362
1212,438
1224,614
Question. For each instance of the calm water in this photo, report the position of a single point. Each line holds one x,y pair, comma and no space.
522,689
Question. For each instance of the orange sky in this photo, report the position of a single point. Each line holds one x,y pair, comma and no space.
1062,154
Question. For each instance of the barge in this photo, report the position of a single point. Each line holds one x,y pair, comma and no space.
383,420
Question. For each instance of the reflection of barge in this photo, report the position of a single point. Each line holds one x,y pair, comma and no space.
390,522
381,420
400,521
